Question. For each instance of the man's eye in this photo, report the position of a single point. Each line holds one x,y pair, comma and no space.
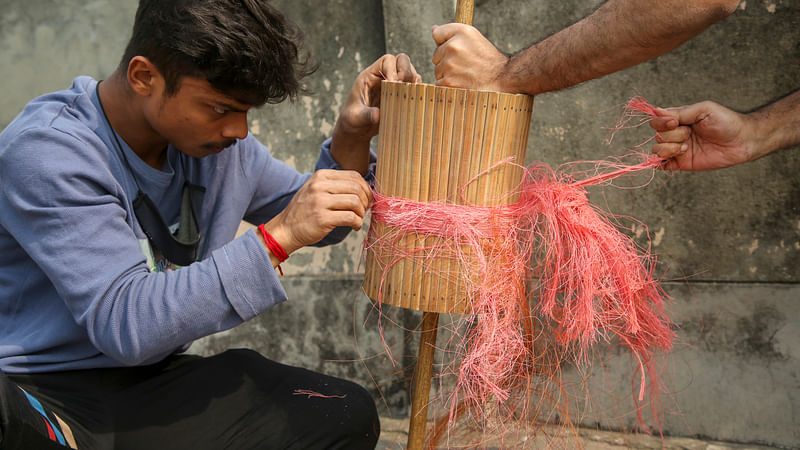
220,110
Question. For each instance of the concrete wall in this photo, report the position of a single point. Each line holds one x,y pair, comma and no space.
728,241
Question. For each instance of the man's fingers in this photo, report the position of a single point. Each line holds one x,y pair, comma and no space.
689,115
438,55
670,150
396,68
372,115
340,210
676,135
347,202
342,182
437,72
345,218
341,187
443,68
665,112
387,66
685,115
448,81
364,116
405,69
442,33
663,123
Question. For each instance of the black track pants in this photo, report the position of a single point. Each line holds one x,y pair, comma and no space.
235,400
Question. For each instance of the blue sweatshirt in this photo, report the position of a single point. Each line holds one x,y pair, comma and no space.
78,286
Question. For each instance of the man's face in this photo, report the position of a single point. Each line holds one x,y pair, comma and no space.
199,120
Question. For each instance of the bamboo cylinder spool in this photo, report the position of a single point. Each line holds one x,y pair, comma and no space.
438,144
433,141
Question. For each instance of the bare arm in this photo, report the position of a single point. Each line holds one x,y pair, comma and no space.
776,126
619,34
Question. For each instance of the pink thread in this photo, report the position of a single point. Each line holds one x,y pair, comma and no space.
636,113
589,281
311,393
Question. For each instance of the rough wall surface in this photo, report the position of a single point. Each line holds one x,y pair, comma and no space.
728,241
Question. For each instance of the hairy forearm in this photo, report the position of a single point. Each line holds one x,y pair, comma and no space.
619,34
775,126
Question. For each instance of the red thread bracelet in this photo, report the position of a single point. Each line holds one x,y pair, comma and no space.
274,247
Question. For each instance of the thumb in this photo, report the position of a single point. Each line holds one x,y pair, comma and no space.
691,114
664,119
369,115
443,33
665,112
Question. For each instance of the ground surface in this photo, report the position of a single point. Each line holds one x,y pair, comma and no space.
394,434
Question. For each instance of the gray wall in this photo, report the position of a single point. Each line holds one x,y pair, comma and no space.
728,241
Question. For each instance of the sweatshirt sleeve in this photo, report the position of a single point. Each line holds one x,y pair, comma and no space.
63,206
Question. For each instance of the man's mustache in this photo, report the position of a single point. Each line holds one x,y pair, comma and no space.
222,144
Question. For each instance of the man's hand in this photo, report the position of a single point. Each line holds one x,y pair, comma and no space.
329,199
703,136
464,58
358,121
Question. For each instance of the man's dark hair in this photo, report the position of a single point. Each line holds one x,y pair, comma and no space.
244,48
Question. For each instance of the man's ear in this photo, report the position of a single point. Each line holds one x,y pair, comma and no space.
143,77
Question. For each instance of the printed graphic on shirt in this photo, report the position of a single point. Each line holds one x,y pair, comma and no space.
156,261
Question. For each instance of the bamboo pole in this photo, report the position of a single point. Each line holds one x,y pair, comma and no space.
423,370
464,10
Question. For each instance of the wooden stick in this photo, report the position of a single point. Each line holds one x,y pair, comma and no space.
430,322
464,10
423,373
